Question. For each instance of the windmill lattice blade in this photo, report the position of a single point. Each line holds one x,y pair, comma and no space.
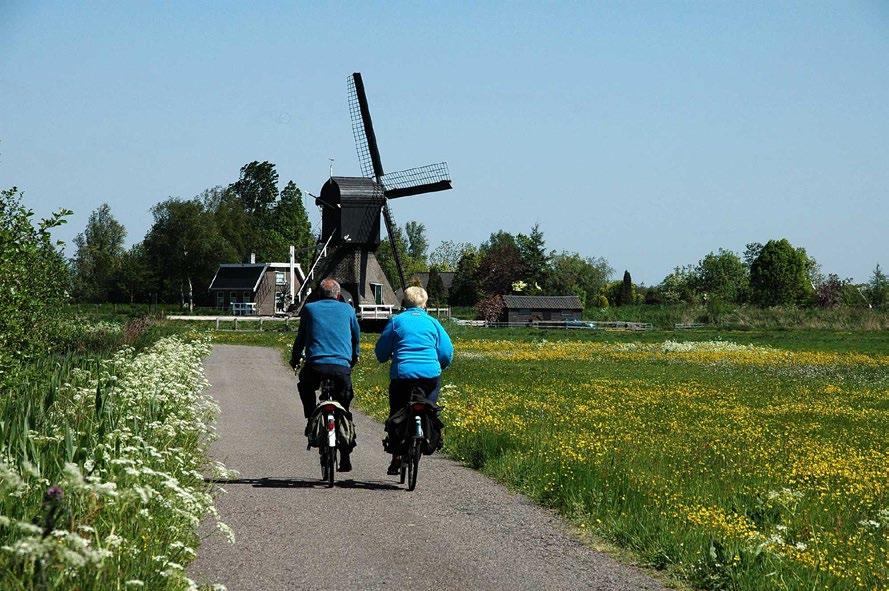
362,129
415,181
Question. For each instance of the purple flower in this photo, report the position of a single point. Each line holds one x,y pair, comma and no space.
54,494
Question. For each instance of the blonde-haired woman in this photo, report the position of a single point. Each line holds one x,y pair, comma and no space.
419,349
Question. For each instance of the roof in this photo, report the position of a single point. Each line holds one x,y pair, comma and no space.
243,277
571,302
351,190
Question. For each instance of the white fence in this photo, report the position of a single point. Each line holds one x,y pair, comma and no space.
559,324
235,320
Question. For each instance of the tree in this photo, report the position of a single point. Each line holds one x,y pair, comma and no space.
723,276
98,257
290,225
232,220
537,262
500,264
751,252
627,293
134,277
582,276
780,275
257,187
417,244
878,289
33,278
829,293
447,254
678,286
491,308
184,248
464,287
435,286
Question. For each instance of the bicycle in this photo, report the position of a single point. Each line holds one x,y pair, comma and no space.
410,460
327,447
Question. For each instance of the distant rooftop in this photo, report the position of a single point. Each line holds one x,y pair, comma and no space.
571,302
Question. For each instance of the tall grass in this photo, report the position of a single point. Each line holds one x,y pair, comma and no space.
100,469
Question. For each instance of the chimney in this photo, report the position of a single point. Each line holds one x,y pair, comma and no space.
252,258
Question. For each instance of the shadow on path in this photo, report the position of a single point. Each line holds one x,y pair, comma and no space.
274,482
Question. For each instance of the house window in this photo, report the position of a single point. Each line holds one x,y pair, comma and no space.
220,299
377,290
247,297
280,278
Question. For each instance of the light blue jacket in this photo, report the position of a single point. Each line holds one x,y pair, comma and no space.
417,344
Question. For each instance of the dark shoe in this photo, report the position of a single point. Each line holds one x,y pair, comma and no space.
345,463
394,468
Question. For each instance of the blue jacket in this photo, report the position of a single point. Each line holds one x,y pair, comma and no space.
329,333
417,344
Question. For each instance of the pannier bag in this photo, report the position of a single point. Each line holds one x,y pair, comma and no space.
400,431
316,429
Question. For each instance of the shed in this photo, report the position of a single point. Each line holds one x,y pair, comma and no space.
525,309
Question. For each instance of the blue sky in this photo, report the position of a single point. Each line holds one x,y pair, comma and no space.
647,133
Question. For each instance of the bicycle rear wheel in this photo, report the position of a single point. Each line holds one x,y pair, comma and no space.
328,465
331,465
413,466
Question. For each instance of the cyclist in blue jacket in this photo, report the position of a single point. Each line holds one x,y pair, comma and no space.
329,335
419,349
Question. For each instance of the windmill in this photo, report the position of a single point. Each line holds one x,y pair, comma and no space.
351,208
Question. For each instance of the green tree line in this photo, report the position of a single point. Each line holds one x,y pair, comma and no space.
189,238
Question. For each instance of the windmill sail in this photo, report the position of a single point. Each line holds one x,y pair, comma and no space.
363,129
416,181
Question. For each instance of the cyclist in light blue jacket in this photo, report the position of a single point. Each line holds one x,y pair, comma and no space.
419,349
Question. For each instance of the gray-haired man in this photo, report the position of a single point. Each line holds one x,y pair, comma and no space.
329,336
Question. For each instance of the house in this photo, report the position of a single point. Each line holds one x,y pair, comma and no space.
263,289
527,309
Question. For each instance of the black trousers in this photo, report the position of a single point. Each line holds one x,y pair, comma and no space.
400,391
310,377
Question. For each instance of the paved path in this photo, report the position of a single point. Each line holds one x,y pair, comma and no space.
458,530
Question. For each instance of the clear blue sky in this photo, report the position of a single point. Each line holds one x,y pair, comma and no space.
649,134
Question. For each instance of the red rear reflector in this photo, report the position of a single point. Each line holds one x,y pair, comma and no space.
329,408
419,407
331,425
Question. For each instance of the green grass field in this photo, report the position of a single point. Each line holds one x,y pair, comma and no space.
734,459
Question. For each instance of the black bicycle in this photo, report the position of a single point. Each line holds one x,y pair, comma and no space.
416,442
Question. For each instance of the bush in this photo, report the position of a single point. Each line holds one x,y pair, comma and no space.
33,279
